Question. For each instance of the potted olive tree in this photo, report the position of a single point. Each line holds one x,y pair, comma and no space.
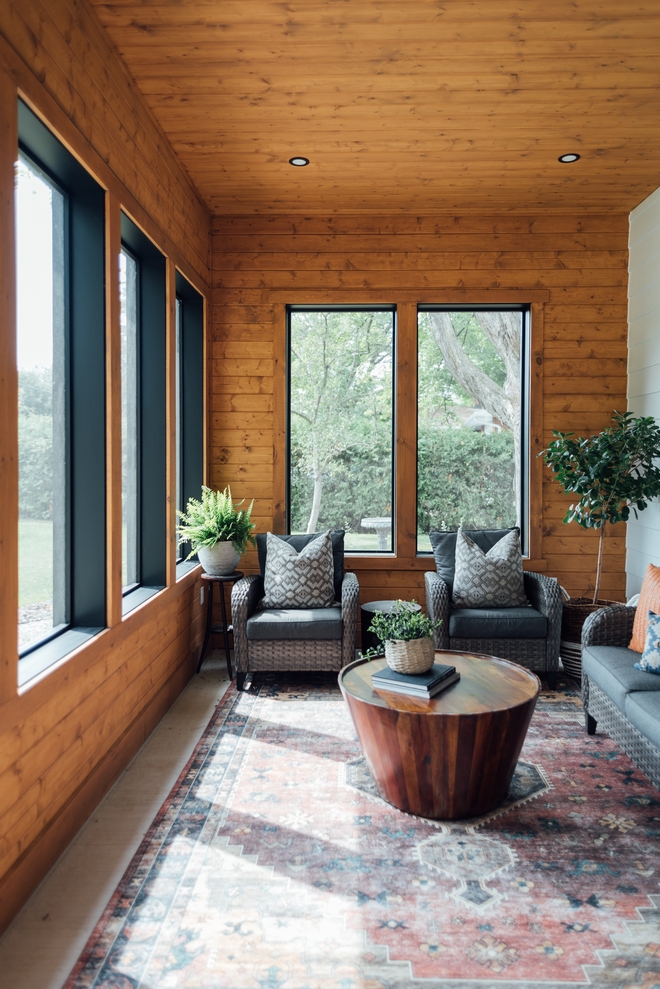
614,473
218,531
407,635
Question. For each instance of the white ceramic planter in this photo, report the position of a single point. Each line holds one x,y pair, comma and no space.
219,560
409,655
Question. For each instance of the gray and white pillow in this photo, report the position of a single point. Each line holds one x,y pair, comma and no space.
489,580
299,580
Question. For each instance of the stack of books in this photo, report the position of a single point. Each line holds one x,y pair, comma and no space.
424,685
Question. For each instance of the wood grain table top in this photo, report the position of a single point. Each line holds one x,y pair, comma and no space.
487,684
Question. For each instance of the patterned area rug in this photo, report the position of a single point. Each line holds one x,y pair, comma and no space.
274,865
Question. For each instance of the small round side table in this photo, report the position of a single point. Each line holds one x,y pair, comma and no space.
223,629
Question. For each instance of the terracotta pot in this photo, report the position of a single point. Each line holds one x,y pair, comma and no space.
219,560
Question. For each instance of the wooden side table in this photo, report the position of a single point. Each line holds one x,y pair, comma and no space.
224,629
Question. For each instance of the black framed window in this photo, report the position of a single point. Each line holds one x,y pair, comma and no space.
144,428
472,419
189,412
61,367
340,423
129,277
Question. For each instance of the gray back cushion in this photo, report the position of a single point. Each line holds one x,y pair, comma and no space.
299,542
444,548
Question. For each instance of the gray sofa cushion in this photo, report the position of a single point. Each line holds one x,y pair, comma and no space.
497,623
643,711
299,542
611,667
296,623
443,545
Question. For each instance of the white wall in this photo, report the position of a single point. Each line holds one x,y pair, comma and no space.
643,535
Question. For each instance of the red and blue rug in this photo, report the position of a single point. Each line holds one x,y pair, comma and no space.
274,865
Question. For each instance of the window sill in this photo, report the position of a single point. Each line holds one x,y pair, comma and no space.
137,597
43,657
185,567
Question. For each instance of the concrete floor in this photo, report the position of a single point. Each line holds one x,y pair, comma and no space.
45,940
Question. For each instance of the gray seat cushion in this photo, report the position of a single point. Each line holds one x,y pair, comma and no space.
611,667
497,623
643,711
296,623
299,542
443,545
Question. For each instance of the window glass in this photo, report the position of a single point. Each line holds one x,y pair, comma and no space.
470,401
340,425
41,404
128,294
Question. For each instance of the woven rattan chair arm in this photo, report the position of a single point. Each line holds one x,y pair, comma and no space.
544,594
611,626
350,596
244,597
437,607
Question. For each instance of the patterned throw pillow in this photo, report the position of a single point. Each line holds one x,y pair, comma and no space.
649,600
489,580
299,580
650,661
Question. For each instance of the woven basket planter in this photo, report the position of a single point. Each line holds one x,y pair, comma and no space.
410,655
574,614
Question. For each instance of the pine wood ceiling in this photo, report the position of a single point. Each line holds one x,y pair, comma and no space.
402,105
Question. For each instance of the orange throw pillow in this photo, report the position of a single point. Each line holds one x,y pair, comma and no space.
649,600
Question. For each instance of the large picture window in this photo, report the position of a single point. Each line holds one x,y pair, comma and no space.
189,411
130,478
341,424
60,233
41,348
471,423
144,429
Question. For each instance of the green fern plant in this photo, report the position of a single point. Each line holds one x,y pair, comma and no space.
215,519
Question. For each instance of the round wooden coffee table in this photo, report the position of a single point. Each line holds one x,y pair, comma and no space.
452,757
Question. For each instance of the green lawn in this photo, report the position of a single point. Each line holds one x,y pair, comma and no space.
35,561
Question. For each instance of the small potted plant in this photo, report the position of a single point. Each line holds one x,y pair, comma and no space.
218,531
407,635
613,472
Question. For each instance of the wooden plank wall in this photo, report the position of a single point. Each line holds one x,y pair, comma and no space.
65,738
575,268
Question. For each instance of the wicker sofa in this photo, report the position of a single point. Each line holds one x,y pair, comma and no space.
624,701
293,638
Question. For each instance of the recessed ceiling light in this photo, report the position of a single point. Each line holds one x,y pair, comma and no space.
299,161
566,158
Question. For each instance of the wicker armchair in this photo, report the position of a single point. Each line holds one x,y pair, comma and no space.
605,654
536,653
309,648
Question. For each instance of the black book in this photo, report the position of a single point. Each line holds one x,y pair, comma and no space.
424,693
417,681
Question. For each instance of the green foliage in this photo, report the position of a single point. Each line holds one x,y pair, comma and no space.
35,438
355,486
612,471
215,519
465,477
341,411
403,623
